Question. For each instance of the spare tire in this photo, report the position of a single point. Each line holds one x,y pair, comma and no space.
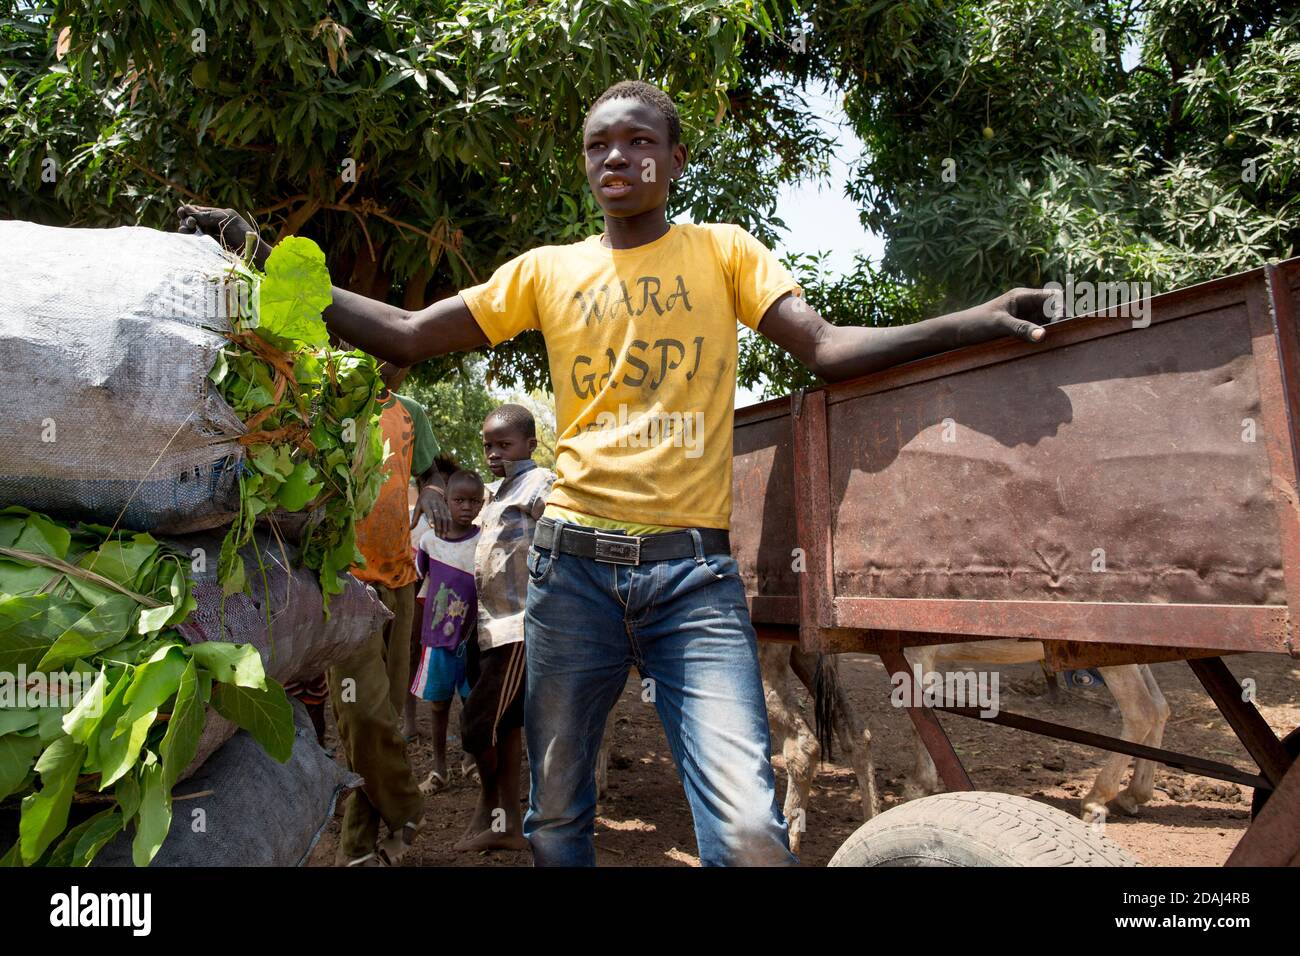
974,828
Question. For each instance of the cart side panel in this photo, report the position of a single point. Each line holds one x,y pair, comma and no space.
762,511
1119,469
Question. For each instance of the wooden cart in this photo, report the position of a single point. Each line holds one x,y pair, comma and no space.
1124,492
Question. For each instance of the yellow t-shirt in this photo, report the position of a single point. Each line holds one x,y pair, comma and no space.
642,347
592,521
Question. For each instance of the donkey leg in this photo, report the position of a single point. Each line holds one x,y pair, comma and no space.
602,756
792,734
852,733
1141,785
1138,714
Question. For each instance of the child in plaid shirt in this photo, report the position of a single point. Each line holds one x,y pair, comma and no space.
493,717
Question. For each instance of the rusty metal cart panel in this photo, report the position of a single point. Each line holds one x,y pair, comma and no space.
1123,492
1112,484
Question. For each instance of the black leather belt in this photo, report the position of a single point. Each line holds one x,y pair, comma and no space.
614,548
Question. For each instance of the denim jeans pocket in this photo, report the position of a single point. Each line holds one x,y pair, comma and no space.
721,566
539,564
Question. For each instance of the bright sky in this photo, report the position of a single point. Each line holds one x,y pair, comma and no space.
818,216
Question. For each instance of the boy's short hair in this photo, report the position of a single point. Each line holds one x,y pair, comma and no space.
644,93
473,477
514,416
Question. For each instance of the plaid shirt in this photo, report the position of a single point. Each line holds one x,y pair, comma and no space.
501,560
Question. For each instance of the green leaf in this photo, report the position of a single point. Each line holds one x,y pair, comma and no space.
220,368
155,815
445,80
154,619
128,795
83,720
266,714
49,723
99,628
181,742
155,681
13,520
239,664
230,566
264,459
118,752
295,292
80,844
298,490
20,578
43,536
24,622
45,813
12,719
102,829
120,561
17,755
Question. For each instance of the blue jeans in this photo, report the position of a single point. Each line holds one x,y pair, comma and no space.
685,626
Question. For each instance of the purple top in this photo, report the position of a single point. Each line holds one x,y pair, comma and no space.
450,598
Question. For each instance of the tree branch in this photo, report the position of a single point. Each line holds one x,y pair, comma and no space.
188,193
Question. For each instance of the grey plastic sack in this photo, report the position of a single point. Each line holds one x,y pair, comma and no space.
259,812
107,337
298,643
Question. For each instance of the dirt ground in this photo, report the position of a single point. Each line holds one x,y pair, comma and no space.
644,821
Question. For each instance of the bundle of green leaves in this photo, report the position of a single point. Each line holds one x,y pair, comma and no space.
314,443
101,700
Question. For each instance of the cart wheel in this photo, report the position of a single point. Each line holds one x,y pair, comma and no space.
1292,744
974,828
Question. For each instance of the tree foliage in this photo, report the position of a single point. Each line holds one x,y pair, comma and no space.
862,296
456,404
420,142
1007,142
1176,168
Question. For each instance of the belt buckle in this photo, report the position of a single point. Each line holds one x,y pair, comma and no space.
618,548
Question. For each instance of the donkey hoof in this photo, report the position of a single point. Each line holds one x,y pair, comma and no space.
912,791
1093,811
1128,803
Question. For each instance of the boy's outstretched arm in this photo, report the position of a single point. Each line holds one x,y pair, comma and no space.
835,352
401,337
385,331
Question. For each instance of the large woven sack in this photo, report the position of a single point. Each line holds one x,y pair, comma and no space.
107,337
259,812
282,616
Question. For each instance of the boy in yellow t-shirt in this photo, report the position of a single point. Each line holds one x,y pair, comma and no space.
630,563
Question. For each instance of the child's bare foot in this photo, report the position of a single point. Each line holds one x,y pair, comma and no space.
482,820
490,840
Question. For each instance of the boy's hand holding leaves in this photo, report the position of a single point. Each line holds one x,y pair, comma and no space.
224,225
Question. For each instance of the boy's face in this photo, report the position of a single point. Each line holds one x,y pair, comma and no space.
629,160
503,443
464,500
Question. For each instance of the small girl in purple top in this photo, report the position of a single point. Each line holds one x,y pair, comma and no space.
450,611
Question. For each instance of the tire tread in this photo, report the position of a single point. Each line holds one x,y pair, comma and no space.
1008,830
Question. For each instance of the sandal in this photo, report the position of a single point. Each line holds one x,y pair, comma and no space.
394,846
434,783
370,859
